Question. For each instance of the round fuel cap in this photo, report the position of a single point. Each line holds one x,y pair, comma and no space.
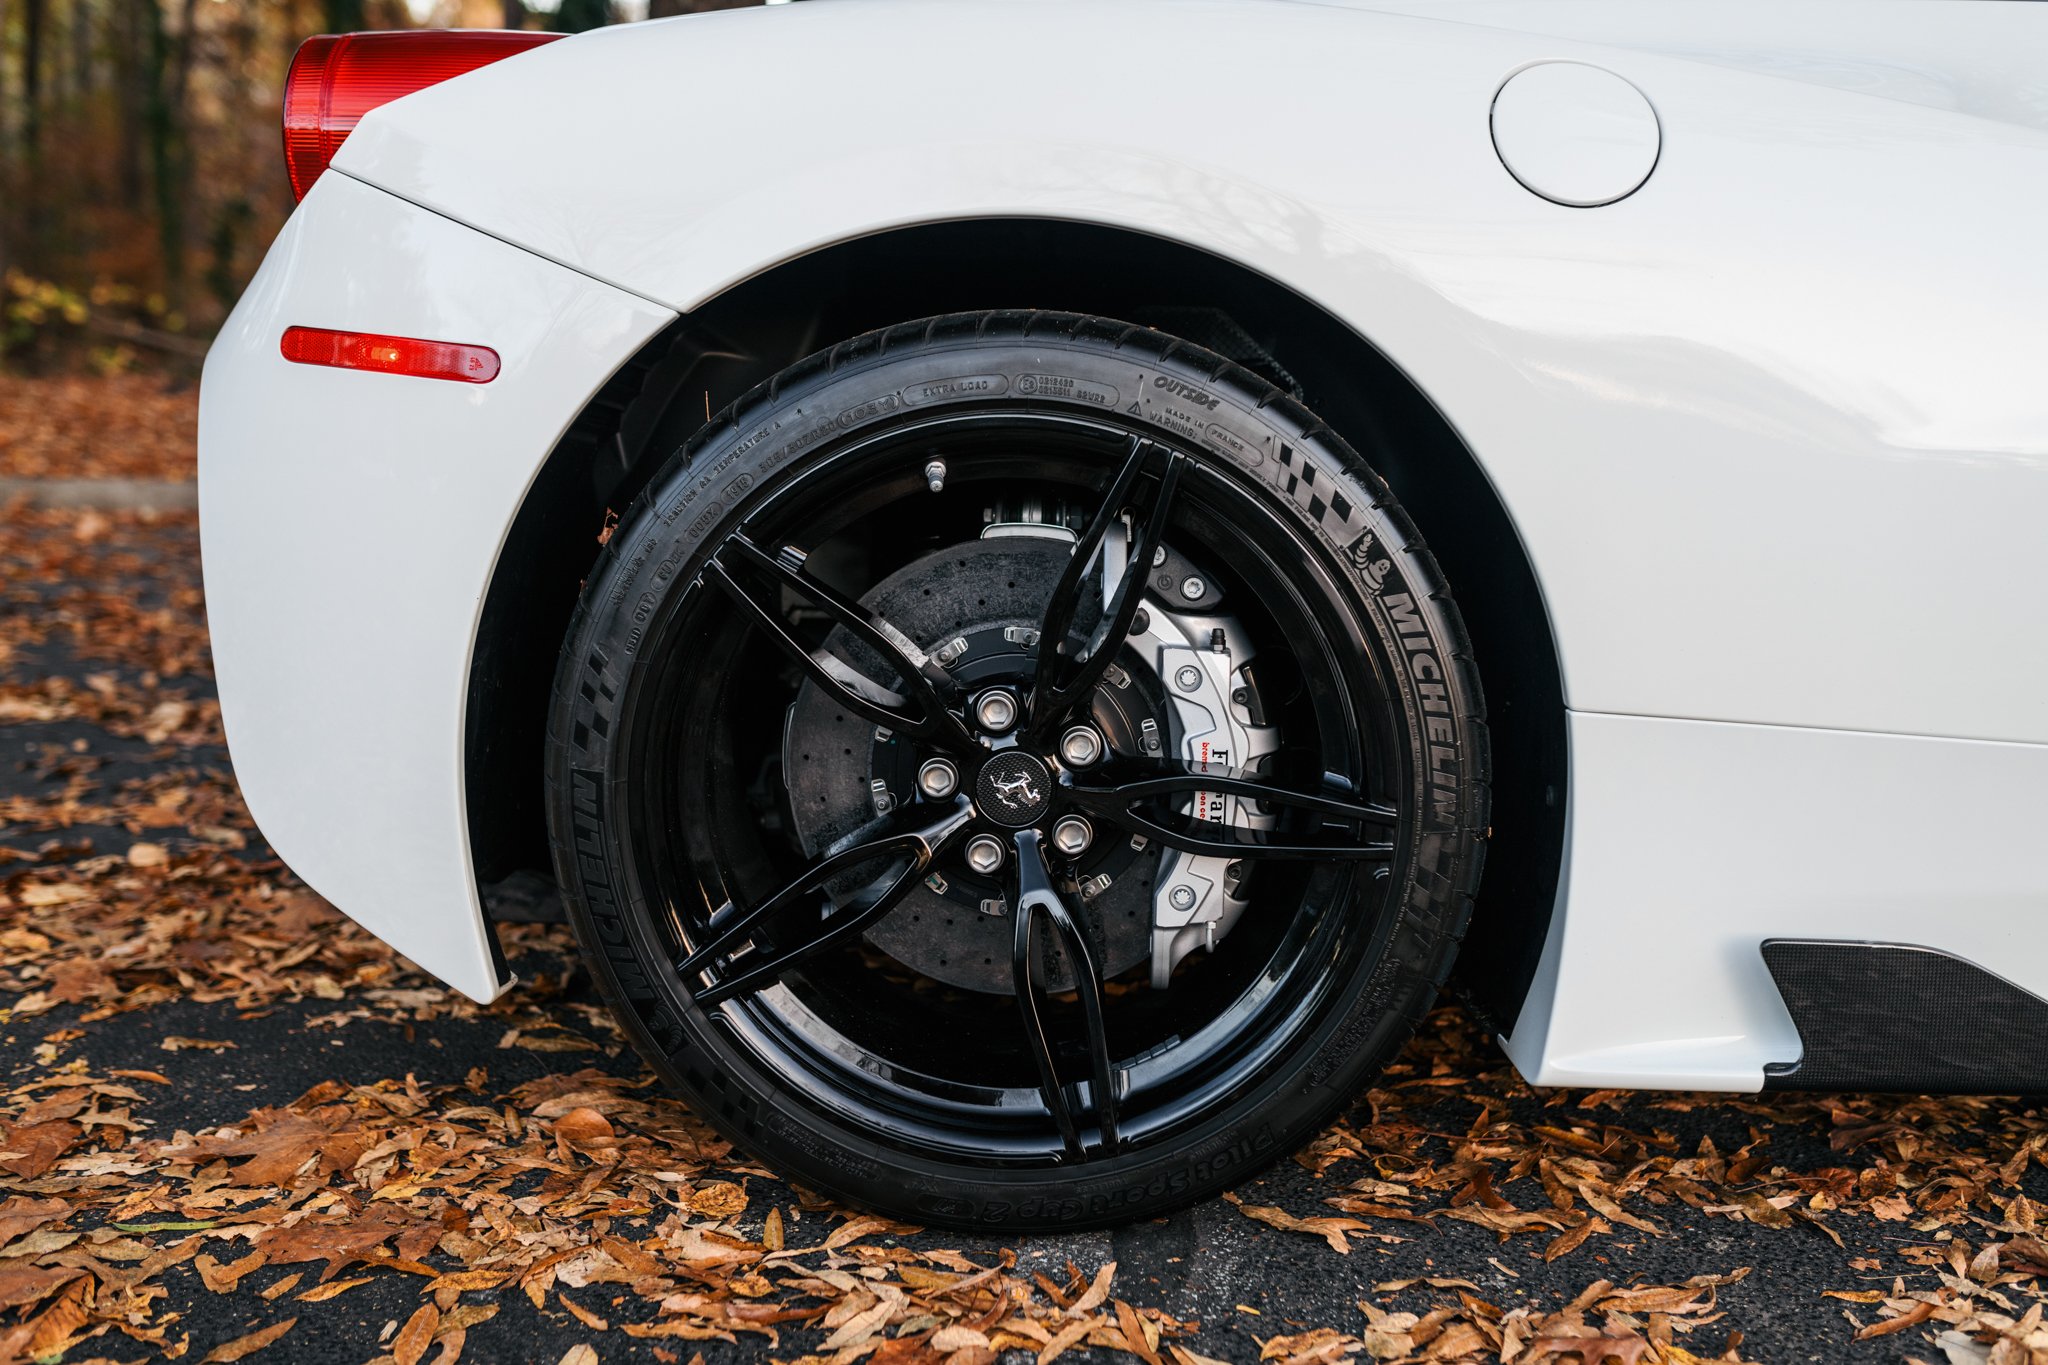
1575,134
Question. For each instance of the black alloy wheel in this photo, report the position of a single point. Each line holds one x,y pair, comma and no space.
1017,770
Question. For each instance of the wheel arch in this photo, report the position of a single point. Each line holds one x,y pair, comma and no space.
755,328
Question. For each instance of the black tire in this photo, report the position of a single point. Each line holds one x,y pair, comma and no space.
630,835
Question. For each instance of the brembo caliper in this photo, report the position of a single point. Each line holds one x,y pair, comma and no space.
1202,659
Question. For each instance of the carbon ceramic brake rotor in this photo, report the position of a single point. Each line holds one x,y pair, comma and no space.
975,592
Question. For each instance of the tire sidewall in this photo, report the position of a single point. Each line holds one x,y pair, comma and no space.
1192,400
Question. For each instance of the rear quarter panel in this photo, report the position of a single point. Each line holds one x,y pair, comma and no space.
1772,428
349,524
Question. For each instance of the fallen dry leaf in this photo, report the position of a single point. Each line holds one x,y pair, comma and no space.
249,1345
222,1279
410,1346
583,1127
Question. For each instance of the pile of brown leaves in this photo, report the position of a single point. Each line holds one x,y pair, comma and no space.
1972,1306
131,881
578,1191
119,592
1635,1324
587,1192
1945,1170
120,426
73,577
1935,1165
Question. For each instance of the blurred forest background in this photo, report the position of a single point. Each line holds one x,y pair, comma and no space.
140,173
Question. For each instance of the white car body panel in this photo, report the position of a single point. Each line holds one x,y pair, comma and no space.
1773,428
349,526
1691,843
1717,333
1982,60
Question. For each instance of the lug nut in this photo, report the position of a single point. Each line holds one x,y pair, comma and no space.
1072,835
1081,746
984,853
938,779
996,711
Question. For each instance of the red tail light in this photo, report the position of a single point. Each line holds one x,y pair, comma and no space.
390,355
335,80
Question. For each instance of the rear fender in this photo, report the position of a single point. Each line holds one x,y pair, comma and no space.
349,524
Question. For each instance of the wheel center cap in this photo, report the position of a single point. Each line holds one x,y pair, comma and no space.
1014,789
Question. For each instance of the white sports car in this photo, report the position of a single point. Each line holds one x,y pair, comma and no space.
915,512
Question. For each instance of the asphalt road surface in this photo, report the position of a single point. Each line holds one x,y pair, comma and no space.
202,1067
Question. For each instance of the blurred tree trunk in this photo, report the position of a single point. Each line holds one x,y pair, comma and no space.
515,13
181,147
128,31
169,75
33,17
181,60
3,85
234,215
343,16
71,52
81,49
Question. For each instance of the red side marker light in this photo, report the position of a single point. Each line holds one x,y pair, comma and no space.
390,355
335,79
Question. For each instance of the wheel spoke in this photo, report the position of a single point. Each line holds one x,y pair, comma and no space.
732,927
1066,674
1035,896
923,714
1124,803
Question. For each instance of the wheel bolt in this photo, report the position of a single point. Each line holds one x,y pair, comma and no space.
1182,897
995,711
1072,835
1193,588
1081,746
1188,678
984,853
938,779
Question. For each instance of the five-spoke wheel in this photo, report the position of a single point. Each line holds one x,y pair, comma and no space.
982,802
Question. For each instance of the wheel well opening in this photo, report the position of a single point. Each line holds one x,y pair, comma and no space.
752,331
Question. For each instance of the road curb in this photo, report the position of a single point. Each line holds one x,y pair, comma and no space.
107,495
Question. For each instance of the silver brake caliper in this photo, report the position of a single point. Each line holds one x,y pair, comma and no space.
1201,661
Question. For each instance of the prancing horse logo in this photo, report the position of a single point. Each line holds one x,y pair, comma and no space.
1018,793
1013,789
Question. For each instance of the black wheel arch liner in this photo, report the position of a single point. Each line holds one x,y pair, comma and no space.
711,356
